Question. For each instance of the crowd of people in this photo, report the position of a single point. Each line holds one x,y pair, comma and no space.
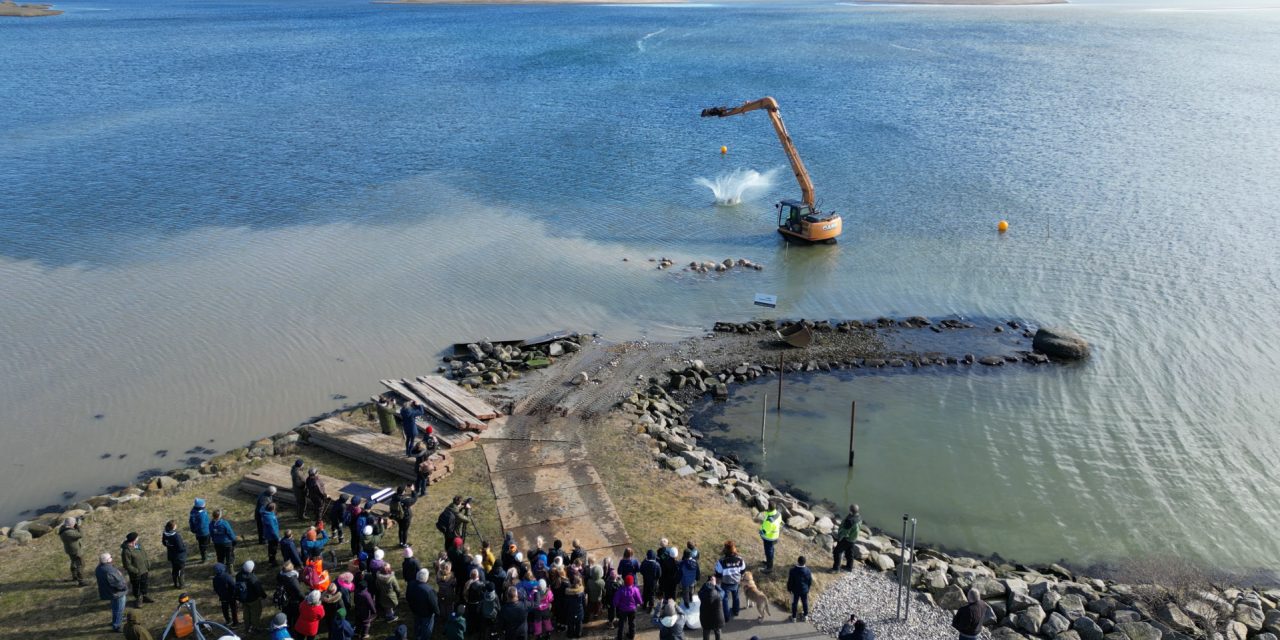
506,594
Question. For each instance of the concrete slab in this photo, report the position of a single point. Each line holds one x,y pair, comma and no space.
533,429
528,480
557,504
504,455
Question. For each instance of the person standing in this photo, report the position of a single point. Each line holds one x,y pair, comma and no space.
336,514
626,601
175,550
267,497
366,610
574,604
711,611
271,531
409,567
113,588
770,529
310,613
134,558
289,549
728,572
651,571
289,586
453,520
846,535
690,573
969,619
424,605
799,579
224,586
250,593
386,415
198,522
298,479
387,592
669,621
669,580
422,474
70,535
402,512
409,415
134,629
224,539
513,617
316,495
280,627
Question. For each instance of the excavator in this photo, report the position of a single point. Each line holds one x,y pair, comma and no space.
798,221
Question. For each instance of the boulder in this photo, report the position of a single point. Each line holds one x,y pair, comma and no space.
988,588
824,525
1139,631
555,349
21,536
1071,606
1237,631
1053,625
1173,615
1121,616
1087,628
1067,635
262,448
882,561
1063,344
1265,636
934,582
951,598
1005,633
1249,614
581,378
1104,607
38,529
685,471
1271,624
1021,601
1030,619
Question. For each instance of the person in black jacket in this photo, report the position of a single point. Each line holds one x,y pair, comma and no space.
651,571
176,550
402,512
798,582
423,604
669,581
293,593
513,617
225,587
410,567
711,611
250,593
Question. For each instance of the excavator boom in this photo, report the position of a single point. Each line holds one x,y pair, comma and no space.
771,106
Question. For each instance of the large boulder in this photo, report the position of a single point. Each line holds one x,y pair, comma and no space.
1139,631
1237,631
1005,633
1053,625
1087,628
1030,619
1062,344
1272,622
1249,615
1173,615
952,598
1071,606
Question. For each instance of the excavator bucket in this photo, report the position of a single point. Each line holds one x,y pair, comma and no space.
714,112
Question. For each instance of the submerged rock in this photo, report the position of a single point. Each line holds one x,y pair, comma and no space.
1063,344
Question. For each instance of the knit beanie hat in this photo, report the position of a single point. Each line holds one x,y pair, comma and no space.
631,580
248,566
368,530
408,552
280,621
379,554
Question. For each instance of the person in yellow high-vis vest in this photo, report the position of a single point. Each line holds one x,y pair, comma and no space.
770,529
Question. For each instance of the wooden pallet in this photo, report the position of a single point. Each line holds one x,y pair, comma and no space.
465,401
372,448
277,475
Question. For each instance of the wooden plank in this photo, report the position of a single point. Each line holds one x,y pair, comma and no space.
518,482
371,448
277,475
504,455
448,435
468,402
440,405
596,531
408,393
569,502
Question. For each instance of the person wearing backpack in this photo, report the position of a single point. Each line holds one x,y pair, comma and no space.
198,522
268,496
250,594
224,586
351,520
970,618
488,611
402,512
424,604
422,474
452,520
689,575
289,593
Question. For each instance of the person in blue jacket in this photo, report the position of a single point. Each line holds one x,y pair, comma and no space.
224,539
313,542
271,532
409,415
289,549
280,627
799,580
198,522
689,575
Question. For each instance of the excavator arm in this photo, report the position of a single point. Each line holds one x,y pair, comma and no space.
770,105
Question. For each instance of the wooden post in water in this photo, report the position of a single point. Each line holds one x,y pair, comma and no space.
781,364
764,412
853,412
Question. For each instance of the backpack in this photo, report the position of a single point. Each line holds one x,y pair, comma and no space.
193,520
281,597
397,509
489,606
347,515
242,591
447,521
424,469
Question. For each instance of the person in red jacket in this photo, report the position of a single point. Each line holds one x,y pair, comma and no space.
626,601
309,616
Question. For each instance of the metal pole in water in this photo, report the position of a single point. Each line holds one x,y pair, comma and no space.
906,614
781,363
853,412
764,412
897,614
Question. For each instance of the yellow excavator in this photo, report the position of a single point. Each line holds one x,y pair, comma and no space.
798,221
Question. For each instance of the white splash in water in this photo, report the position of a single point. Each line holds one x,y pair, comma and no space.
732,188
640,42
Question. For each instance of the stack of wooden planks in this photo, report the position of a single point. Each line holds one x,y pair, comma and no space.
447,402
277,475
372,448
446,434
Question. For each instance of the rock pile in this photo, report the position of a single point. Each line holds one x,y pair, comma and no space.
490,364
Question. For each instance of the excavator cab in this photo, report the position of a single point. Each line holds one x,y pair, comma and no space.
792,214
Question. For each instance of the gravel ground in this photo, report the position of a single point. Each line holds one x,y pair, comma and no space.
870,595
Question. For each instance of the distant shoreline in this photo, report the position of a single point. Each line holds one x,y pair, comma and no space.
984,3
529,2
10,9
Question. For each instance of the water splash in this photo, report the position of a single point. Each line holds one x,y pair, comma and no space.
732,188
640,42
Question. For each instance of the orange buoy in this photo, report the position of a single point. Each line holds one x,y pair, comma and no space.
1003,226
724,150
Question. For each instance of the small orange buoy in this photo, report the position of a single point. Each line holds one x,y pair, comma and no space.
724,150
1003,226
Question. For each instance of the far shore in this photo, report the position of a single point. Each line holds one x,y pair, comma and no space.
529,1
10,9
1001,3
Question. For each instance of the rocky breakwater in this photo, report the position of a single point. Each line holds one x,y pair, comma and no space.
153,485
487,363
14,10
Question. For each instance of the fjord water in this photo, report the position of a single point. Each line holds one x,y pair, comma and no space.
218,216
